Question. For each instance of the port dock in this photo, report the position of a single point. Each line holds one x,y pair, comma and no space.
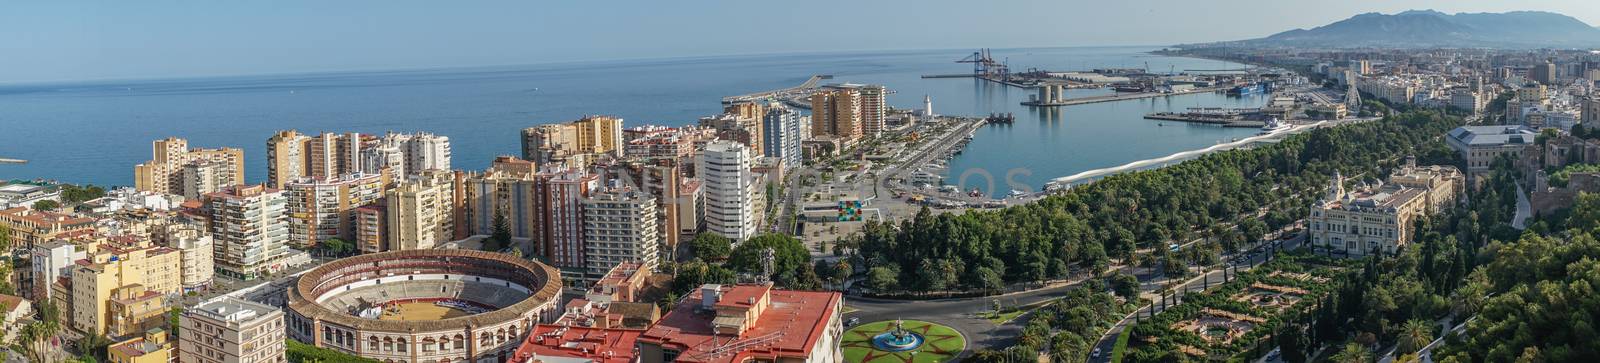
1058,102
1223,121
786,93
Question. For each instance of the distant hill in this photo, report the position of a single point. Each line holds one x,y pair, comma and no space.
1427,28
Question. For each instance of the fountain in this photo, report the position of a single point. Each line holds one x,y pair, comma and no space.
897,340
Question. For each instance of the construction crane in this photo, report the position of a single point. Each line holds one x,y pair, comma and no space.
984,65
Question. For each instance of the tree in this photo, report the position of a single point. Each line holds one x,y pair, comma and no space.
1292,343
501,236
336,247
93,346
789,257
1352,353
46,205
1414,335
711,246
73,194
1125,285
883,278
173,317
5,238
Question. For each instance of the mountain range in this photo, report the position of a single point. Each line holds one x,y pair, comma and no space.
1432,29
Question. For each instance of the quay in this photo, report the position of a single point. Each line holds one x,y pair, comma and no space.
1223,121
810,84
987,77
1058,102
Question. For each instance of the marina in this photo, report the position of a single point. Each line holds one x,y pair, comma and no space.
1058,102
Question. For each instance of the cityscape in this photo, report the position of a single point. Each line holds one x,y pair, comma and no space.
1388,186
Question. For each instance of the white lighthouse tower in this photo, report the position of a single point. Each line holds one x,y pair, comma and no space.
927,106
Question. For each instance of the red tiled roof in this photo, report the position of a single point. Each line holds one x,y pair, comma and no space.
597,345
789,327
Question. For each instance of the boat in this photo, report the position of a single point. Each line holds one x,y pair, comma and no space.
1248,89
1016,194
1274,126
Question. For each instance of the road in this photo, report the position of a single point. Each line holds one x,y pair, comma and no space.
1255,256
963,314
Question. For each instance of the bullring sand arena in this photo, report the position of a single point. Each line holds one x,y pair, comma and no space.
422,305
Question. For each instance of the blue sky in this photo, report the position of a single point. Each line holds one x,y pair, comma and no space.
72,40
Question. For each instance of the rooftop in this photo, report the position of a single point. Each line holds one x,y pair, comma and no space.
232,309
1493,135
789,326
554,343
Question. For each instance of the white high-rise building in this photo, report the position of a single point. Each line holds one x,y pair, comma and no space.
1352,97
724,168
873,110
407,154
783,135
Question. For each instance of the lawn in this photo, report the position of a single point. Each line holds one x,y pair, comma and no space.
941,343
1002,318
1121,345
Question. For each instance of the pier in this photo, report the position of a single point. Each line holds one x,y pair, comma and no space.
1223,121
991,78
1058,102
810,84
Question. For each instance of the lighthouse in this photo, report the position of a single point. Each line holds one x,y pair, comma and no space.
927,106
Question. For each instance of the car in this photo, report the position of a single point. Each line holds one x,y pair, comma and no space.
852,322
1096,353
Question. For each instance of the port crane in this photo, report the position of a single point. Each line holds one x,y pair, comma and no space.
984,65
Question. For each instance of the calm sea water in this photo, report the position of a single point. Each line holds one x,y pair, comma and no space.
94,132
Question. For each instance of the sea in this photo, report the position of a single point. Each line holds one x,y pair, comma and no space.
94,132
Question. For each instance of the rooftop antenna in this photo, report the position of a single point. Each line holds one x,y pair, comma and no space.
768,259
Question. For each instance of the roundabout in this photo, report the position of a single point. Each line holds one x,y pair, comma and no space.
909,341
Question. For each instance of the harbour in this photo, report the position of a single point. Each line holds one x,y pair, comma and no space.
1046,141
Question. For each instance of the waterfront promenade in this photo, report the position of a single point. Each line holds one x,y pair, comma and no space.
1185,155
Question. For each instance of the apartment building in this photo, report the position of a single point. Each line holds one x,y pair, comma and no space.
619,226
573,142
323,208
164,173
231,330
249,228
730,211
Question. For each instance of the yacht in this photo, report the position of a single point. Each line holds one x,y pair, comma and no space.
1274,126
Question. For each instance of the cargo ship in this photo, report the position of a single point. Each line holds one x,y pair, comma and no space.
1250,89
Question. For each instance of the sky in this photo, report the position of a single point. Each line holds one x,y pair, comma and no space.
42,41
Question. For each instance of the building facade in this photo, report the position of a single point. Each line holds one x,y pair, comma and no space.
231,330
164,172
420,213
572,142
730,211
1379,219
1481,145
619,226
323,208
836,112
249,228
782,137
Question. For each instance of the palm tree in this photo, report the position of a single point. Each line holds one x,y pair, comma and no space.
1352,353
1414,335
